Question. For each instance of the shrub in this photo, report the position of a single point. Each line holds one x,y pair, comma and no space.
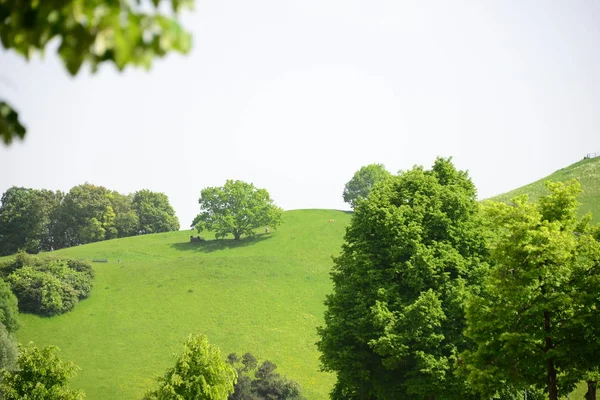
9,311
8,349
47,286
41,292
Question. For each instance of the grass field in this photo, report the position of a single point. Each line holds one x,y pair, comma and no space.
263,295
587,173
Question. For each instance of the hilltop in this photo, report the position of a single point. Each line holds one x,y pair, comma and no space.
586,171
262,295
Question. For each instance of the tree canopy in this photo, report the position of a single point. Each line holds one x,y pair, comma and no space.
98,31
536,321
154,212
40,374
363,181
199,373
394,322
236,208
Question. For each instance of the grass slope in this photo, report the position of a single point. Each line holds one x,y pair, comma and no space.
587,172
263,295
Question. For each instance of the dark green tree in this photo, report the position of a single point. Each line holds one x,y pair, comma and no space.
536,320
363,181
154,212
199,373
124,33
40,374
237,208
394,322
86,215
25,220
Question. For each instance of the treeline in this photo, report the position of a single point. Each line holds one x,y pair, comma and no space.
35,220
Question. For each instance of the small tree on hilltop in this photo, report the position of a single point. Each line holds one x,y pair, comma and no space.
363,181
237,208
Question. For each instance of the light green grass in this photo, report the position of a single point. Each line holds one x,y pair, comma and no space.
263,295
587,172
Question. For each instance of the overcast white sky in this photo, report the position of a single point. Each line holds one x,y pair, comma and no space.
295,96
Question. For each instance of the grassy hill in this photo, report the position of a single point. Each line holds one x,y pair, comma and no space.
587,172
263,295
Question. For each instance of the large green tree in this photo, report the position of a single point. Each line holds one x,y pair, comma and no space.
236,208
199,373
154,212
394,322
86,215
26,217
536,320
363,181
125,32
39,374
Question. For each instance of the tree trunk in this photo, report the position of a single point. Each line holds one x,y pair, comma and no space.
236,235
591,393
551,374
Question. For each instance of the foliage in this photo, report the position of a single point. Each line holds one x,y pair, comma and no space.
199,373
10,126
393,324
42,220
363,182
144,302
237,208
124,33
267,383
9,311
154,212
48,286
536,321
25,216
8,350
40,374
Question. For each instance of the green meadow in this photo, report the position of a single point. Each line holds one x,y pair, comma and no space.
262,295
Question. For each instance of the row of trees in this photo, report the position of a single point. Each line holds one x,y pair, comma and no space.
41,220
439,297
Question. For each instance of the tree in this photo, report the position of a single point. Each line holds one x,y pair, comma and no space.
394,322
267,383
86,215
40,374
363,182
199,373
536,321
9,311
154,212
124,33
237,208
25,216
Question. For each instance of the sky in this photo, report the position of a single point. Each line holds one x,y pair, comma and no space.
295,96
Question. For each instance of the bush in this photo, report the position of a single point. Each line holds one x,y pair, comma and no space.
8,350
48,286
267,383
9,311
41,292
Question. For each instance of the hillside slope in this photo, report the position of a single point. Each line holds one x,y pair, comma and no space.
587,172
263,295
